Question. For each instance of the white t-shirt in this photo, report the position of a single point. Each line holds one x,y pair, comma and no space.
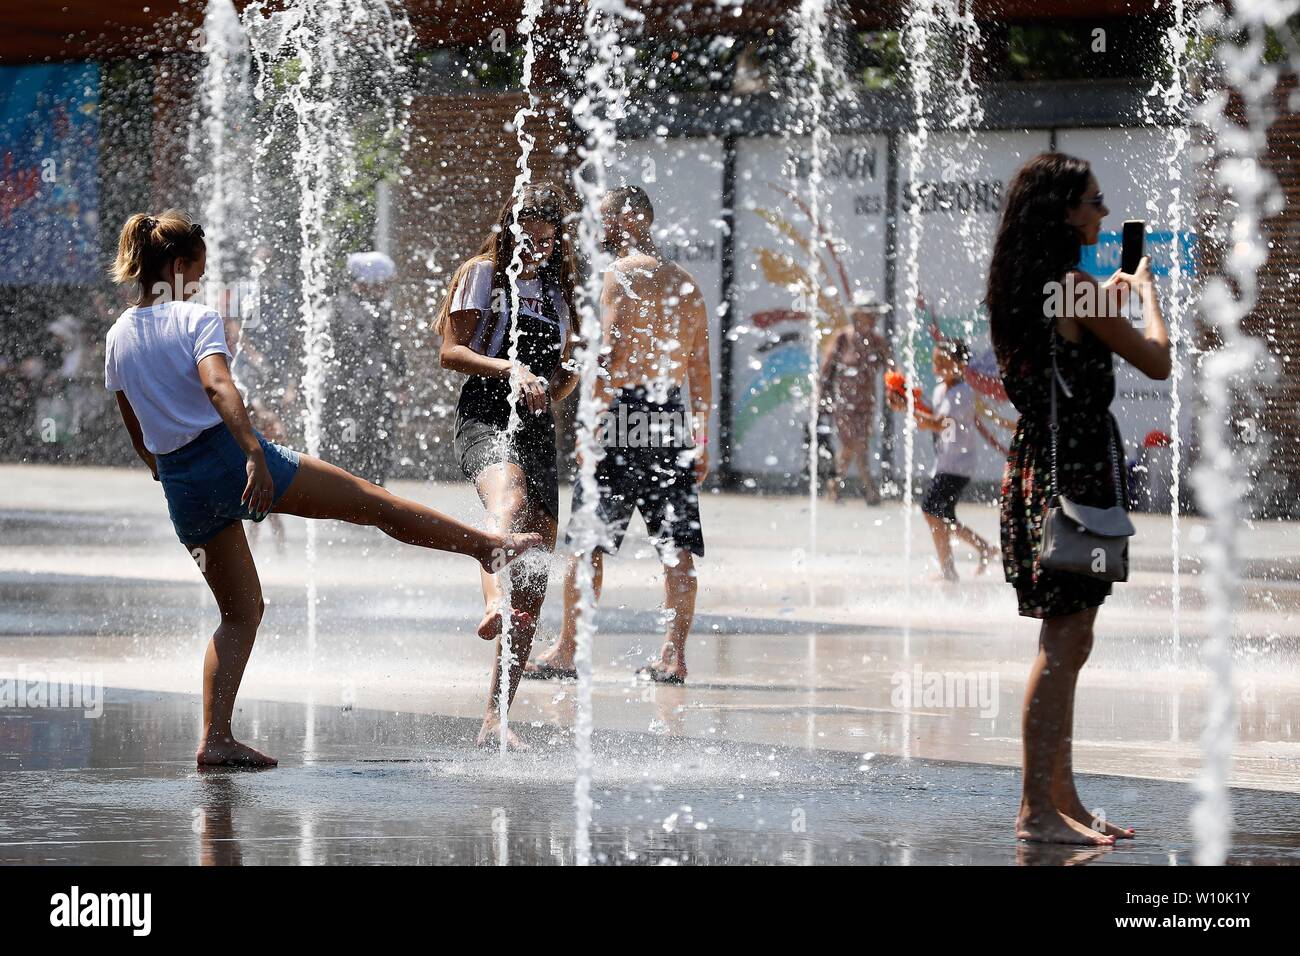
955,443
152,355
475,292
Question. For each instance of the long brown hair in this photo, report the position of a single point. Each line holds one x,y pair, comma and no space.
1034,246
149,243
542,202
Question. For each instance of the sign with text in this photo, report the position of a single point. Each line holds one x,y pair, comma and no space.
798,277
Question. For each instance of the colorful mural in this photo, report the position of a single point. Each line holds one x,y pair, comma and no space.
49,174
817,269
782,263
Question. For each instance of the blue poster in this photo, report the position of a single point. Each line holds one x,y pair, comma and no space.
49,174
1103,259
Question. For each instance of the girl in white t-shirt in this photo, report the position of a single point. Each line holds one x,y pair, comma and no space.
169,365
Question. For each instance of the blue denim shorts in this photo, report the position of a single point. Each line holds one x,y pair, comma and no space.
204,480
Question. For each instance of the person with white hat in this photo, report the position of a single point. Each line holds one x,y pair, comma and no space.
855,356
358,421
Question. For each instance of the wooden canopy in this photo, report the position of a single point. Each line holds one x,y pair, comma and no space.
35,32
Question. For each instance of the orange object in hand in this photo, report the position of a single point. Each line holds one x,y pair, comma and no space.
896,383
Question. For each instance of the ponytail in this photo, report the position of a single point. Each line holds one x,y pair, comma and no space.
148,244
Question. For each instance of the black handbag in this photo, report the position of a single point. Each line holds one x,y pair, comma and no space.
1081,539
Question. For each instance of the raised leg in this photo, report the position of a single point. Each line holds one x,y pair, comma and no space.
982,547
503,490
321,490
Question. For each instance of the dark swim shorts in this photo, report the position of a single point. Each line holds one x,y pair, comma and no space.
941,497
648,470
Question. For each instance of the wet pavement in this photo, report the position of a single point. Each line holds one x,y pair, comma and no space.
801,664
358,786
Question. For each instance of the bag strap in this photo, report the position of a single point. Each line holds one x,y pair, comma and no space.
1054,428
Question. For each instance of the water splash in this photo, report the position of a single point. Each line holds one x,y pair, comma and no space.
810,54
917,29
596,112
220,149
319,60
527,23
1247,194
1174,111
965,113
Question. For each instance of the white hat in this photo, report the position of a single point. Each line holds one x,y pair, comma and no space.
866,299
66,327
371,267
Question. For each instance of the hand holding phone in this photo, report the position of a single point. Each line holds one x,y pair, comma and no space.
1134,242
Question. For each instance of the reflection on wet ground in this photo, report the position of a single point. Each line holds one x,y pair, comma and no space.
791,742
359,786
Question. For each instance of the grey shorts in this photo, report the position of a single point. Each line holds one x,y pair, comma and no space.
480,445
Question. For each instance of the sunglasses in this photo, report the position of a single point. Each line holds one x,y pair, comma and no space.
1099,200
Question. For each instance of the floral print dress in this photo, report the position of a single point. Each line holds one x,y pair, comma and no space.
1088,432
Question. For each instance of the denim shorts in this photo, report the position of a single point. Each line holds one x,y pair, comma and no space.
204,480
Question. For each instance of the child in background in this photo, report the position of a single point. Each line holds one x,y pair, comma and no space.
953,422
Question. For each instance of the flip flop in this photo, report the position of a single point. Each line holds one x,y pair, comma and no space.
547,672
656,676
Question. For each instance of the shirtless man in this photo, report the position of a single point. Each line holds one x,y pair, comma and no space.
655,330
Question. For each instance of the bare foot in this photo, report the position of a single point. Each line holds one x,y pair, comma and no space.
504,548
489,735
1076,811
490,627
229,752
1055,827
944,577
553,657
